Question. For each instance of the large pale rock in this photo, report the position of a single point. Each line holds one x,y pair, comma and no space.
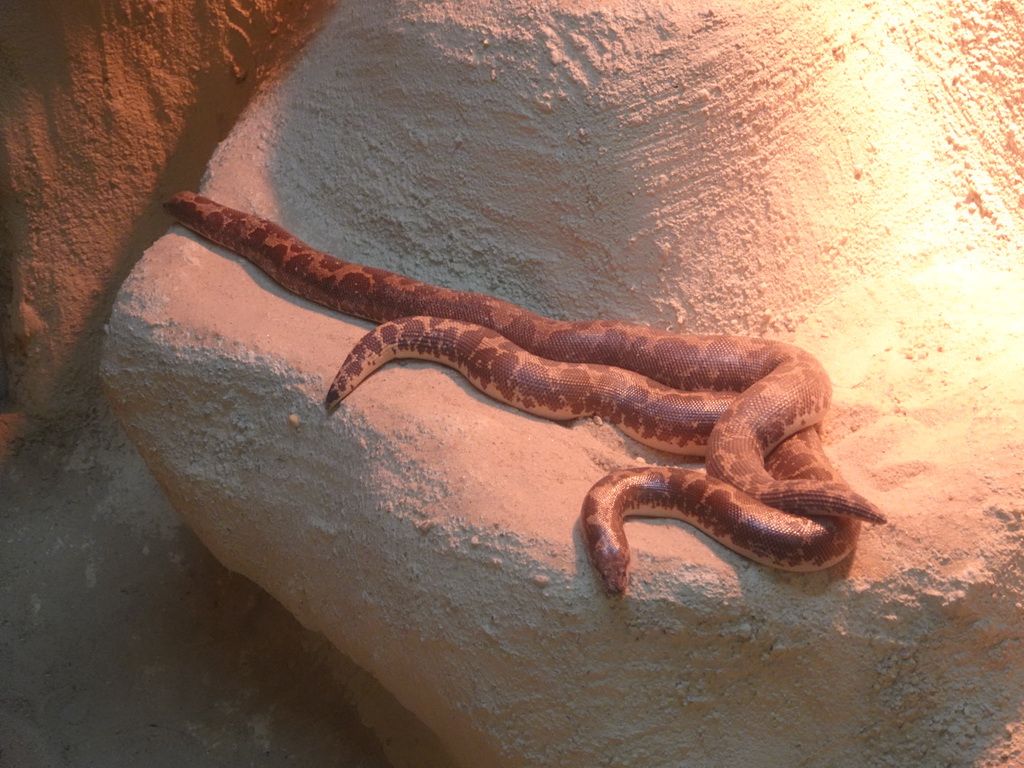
666,164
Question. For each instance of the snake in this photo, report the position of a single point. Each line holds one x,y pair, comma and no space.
736,400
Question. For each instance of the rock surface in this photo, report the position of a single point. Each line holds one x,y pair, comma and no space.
108,108
636,162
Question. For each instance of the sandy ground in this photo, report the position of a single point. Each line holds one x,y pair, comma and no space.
123,642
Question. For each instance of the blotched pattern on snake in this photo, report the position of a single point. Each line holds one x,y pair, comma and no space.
749,404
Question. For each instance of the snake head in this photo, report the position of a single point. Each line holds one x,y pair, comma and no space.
609,554
614,578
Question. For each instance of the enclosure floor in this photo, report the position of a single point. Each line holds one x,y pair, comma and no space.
123,642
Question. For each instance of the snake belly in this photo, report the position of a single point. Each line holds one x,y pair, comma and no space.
763,391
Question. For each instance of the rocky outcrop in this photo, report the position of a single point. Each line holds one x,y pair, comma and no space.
653,163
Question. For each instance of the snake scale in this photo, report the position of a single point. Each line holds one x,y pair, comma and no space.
749,405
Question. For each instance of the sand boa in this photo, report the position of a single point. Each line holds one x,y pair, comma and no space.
741,397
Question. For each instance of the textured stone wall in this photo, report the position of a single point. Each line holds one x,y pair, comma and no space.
107,107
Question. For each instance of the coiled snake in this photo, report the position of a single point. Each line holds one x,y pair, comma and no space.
749,404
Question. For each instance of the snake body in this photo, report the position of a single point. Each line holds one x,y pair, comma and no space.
741,397
744,524
651,413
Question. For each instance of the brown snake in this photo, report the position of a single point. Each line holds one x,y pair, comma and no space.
740,398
